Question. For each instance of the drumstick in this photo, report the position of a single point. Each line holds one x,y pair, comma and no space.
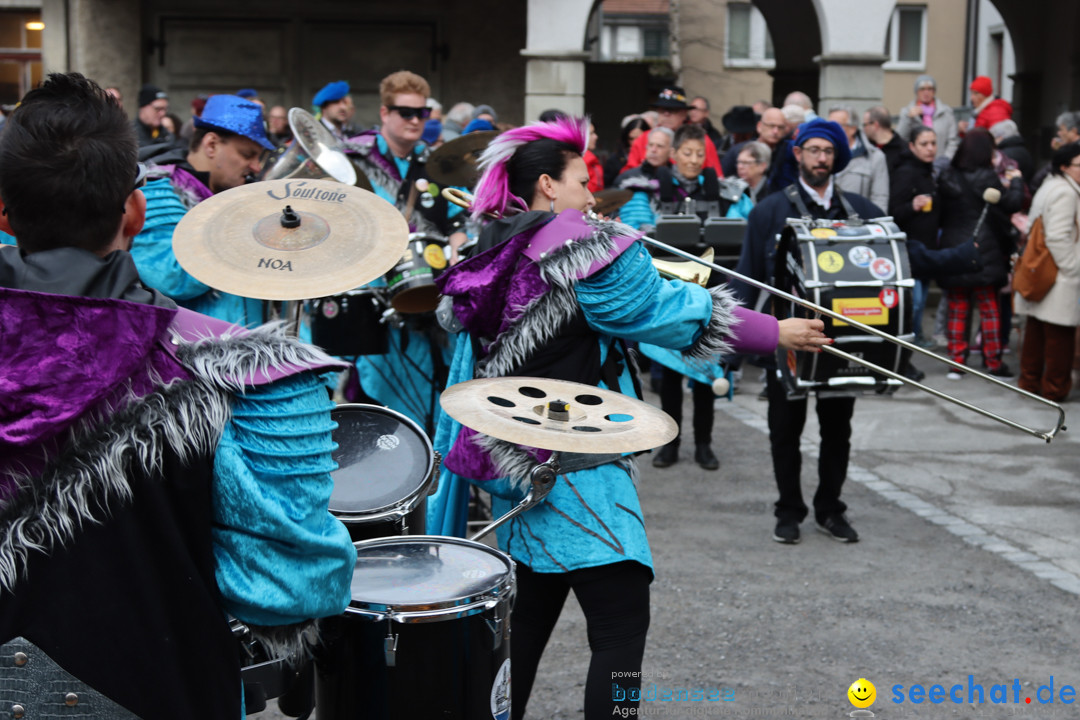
418,187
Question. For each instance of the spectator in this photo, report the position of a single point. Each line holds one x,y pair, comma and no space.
637,212
698,114
115,92
484,112
436,109
632,126
771,129
1050,329
927,110
794,116
760,106
596,169
752,167
741,123
456,119
988,109
251,95
671,107
866,174
153,104
1011,145
278,129
188,128
961,188
877,124
171,124
802,100
1068,129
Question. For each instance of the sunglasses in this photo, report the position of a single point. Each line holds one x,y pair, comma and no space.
408,113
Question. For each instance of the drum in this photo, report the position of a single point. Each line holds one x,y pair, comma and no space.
427,634
858,271
385,471
350,324
412,281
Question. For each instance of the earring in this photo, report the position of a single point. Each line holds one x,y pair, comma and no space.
553,205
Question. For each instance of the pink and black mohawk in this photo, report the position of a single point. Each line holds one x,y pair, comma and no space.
493,191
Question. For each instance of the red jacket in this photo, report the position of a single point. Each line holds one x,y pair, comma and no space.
637,154
596,171
996,111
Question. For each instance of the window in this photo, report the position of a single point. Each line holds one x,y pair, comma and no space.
656,42
905,40
20,54
748,41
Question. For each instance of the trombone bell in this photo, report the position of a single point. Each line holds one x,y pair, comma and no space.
687,270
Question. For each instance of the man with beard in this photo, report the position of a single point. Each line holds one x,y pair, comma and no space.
820,149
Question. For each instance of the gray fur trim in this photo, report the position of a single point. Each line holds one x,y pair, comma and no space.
510,460
722,324
293,642
567,264
91,474
538,323
638,182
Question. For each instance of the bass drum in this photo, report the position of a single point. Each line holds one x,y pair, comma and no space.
427,634
350,324
386,468
411,283
858,271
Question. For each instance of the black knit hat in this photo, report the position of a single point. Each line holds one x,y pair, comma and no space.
150,93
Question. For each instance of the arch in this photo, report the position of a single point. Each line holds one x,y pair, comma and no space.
796,36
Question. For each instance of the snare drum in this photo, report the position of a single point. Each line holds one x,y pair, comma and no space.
411,282
858,271
385,470
427,634
350,324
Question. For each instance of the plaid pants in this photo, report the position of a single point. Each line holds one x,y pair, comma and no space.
959,303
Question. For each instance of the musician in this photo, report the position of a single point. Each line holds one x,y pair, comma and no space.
228,145
143,493
393,156
336,109
557,296
821,149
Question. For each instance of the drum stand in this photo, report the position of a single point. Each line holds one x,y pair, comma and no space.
541,479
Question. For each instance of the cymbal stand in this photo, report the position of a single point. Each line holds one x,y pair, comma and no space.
542,479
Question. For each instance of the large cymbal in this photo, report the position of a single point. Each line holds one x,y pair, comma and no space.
236,242
454,162
609,201
525,410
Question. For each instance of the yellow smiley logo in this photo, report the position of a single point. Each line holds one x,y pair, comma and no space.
862,693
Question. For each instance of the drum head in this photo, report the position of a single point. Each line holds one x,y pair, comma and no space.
424,573
384,461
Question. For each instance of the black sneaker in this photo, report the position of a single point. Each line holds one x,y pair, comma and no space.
667,456
705,457
786,532
1002,371
838,528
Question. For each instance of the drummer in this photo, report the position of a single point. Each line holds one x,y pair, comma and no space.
564,311
408,378
228,145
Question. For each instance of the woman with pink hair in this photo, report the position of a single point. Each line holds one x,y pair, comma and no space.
556,294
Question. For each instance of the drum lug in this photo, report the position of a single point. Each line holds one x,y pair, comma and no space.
435,470
390,648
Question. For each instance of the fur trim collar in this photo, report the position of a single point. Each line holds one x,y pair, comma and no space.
722,324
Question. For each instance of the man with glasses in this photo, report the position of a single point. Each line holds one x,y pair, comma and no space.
227,146
672,113
771,130
393,156
821,149
866,174
153,104
698,114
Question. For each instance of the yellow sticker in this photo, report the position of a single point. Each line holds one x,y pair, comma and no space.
823,232
435,256
868,311
830,262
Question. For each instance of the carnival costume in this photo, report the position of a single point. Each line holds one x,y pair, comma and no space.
159,469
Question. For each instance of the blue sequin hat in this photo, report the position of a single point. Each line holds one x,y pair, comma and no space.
236,115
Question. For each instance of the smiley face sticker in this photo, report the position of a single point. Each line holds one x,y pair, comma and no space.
862,693
830,262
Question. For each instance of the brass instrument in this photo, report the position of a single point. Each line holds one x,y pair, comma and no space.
314,153
464,199
687,271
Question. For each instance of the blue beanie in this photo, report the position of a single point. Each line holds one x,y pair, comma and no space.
330,93
432,131
826,130
479,124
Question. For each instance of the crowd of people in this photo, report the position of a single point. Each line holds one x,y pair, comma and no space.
193,414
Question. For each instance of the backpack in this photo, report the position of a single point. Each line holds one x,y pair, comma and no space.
1035,272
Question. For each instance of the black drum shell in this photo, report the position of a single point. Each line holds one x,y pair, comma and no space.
411,283
350,324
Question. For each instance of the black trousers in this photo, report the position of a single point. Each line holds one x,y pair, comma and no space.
671,401
786,421
615,600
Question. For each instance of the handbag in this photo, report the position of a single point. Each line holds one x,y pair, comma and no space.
1035,272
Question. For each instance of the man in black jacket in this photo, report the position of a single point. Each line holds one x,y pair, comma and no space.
820,149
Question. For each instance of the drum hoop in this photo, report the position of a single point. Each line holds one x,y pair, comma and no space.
441,610
413,499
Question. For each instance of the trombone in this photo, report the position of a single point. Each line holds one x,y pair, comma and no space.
460,198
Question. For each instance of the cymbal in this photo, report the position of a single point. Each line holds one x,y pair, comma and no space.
526,410
454,162
237,242
608,202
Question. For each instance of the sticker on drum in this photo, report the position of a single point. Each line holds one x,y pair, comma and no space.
823,233
882,268
889,297
330,309
500,693
829,261
861,256
868,311
387,442
435,256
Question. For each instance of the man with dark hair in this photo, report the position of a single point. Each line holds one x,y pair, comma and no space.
821,149
698,114
153,105
335,109
227,145
143,495
877,125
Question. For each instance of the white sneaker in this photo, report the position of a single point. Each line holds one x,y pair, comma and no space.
954,375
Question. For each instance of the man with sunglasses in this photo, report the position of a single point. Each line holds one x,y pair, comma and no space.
227,146
393,156
160,469
821,149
